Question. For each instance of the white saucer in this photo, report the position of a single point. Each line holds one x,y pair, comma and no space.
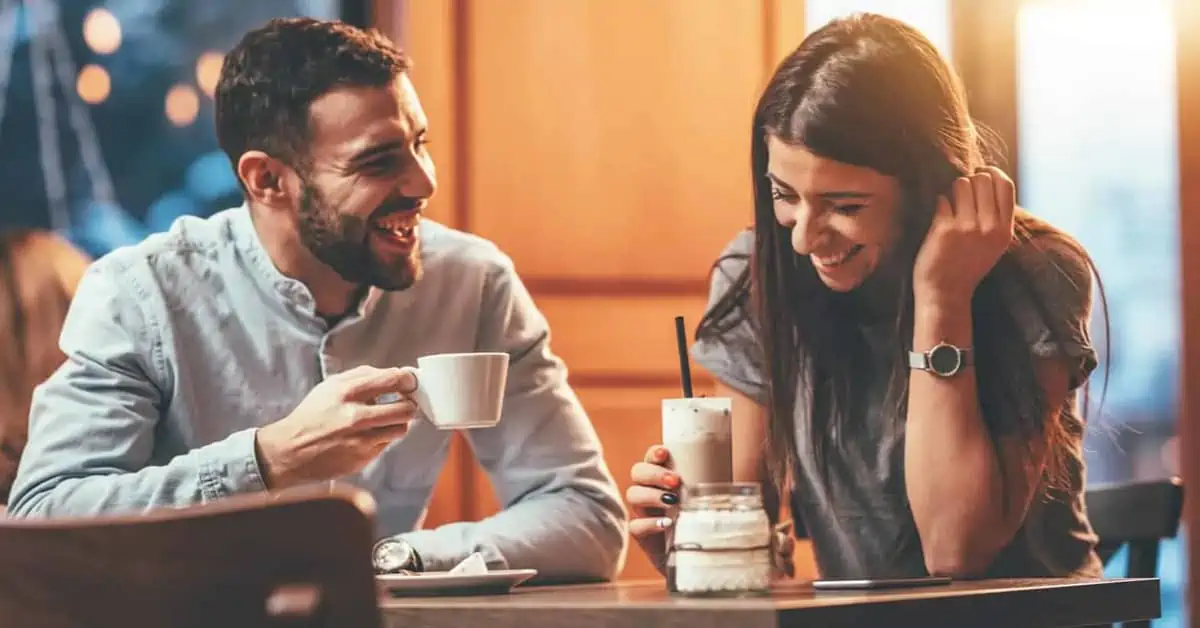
445,583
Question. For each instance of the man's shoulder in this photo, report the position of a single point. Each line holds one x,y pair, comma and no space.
181,260
446,248
189,239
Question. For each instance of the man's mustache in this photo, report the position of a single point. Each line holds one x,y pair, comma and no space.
402,204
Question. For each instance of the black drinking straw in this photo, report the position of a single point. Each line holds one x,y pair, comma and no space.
685,369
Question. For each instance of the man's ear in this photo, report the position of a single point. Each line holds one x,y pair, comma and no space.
263,177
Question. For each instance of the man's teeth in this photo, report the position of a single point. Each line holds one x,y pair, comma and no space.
401,229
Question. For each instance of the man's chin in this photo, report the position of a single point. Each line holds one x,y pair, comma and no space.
397,279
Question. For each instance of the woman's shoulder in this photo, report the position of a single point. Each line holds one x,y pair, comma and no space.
1057,264
731,263
738,251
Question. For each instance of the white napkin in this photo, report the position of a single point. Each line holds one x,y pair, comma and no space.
472,565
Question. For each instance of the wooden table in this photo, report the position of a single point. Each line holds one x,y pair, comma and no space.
1017,603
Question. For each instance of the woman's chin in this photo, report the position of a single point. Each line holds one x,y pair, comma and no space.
839,282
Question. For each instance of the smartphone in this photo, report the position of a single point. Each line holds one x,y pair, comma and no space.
879,583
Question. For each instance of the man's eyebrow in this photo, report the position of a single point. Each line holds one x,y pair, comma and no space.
376,150
385,147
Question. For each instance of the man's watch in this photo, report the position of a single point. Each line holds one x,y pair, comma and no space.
943,360
393,554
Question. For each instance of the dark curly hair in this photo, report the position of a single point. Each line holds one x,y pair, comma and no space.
272,76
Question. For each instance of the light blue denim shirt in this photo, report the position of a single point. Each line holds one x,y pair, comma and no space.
180,347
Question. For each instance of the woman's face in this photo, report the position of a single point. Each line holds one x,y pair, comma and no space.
845,218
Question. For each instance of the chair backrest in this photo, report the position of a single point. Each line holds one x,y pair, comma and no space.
1138,515
299,558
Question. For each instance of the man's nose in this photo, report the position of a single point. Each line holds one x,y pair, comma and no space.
419,179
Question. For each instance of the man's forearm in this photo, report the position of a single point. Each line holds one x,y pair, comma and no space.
52,484
566,535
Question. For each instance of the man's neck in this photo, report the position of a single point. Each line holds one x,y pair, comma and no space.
332,295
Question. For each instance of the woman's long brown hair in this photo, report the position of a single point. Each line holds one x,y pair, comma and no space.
38,275
871,91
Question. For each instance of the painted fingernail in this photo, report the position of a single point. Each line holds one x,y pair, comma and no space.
660,454
664,523
670,499
671,480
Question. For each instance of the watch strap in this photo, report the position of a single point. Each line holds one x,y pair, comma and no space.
921,359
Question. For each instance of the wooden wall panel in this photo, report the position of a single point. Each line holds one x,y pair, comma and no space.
603,144
610,137
784,29
632,337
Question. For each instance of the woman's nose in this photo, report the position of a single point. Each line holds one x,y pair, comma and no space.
806,229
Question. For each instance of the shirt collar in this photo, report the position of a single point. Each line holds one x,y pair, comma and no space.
292,293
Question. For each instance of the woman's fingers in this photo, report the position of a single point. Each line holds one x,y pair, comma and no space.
648,526
645,499
647,474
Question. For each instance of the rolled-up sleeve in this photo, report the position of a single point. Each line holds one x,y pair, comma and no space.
562,511
92,423
1054,309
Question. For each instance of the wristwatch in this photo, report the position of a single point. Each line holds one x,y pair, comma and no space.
393,554
943,360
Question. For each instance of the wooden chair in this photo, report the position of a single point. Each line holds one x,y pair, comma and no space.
299,558
1137,515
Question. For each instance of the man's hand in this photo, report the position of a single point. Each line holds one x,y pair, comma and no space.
338,428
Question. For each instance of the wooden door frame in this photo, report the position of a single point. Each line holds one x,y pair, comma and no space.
1187,38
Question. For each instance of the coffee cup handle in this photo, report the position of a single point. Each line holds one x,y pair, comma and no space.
419,396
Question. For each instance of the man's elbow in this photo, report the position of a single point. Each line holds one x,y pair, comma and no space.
612,546
599,548
25,502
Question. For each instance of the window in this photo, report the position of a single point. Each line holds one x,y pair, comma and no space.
106,116
1097,138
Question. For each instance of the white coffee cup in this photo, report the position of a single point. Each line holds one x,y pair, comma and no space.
460,391
698,431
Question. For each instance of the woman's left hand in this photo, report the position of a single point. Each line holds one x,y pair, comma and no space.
968,235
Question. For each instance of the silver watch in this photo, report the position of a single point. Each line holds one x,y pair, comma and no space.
393,554
943,360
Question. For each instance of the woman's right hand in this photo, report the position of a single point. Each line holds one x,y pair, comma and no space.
652,498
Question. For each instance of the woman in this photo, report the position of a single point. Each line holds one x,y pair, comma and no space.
901,342
38,275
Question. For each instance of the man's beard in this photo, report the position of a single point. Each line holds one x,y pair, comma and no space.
342,243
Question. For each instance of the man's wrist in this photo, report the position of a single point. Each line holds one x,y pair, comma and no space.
393,554
266,451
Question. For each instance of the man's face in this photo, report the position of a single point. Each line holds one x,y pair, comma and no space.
368,179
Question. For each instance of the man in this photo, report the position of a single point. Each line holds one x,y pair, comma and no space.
244,352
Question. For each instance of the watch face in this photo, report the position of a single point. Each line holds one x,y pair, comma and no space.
944,360
392,555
